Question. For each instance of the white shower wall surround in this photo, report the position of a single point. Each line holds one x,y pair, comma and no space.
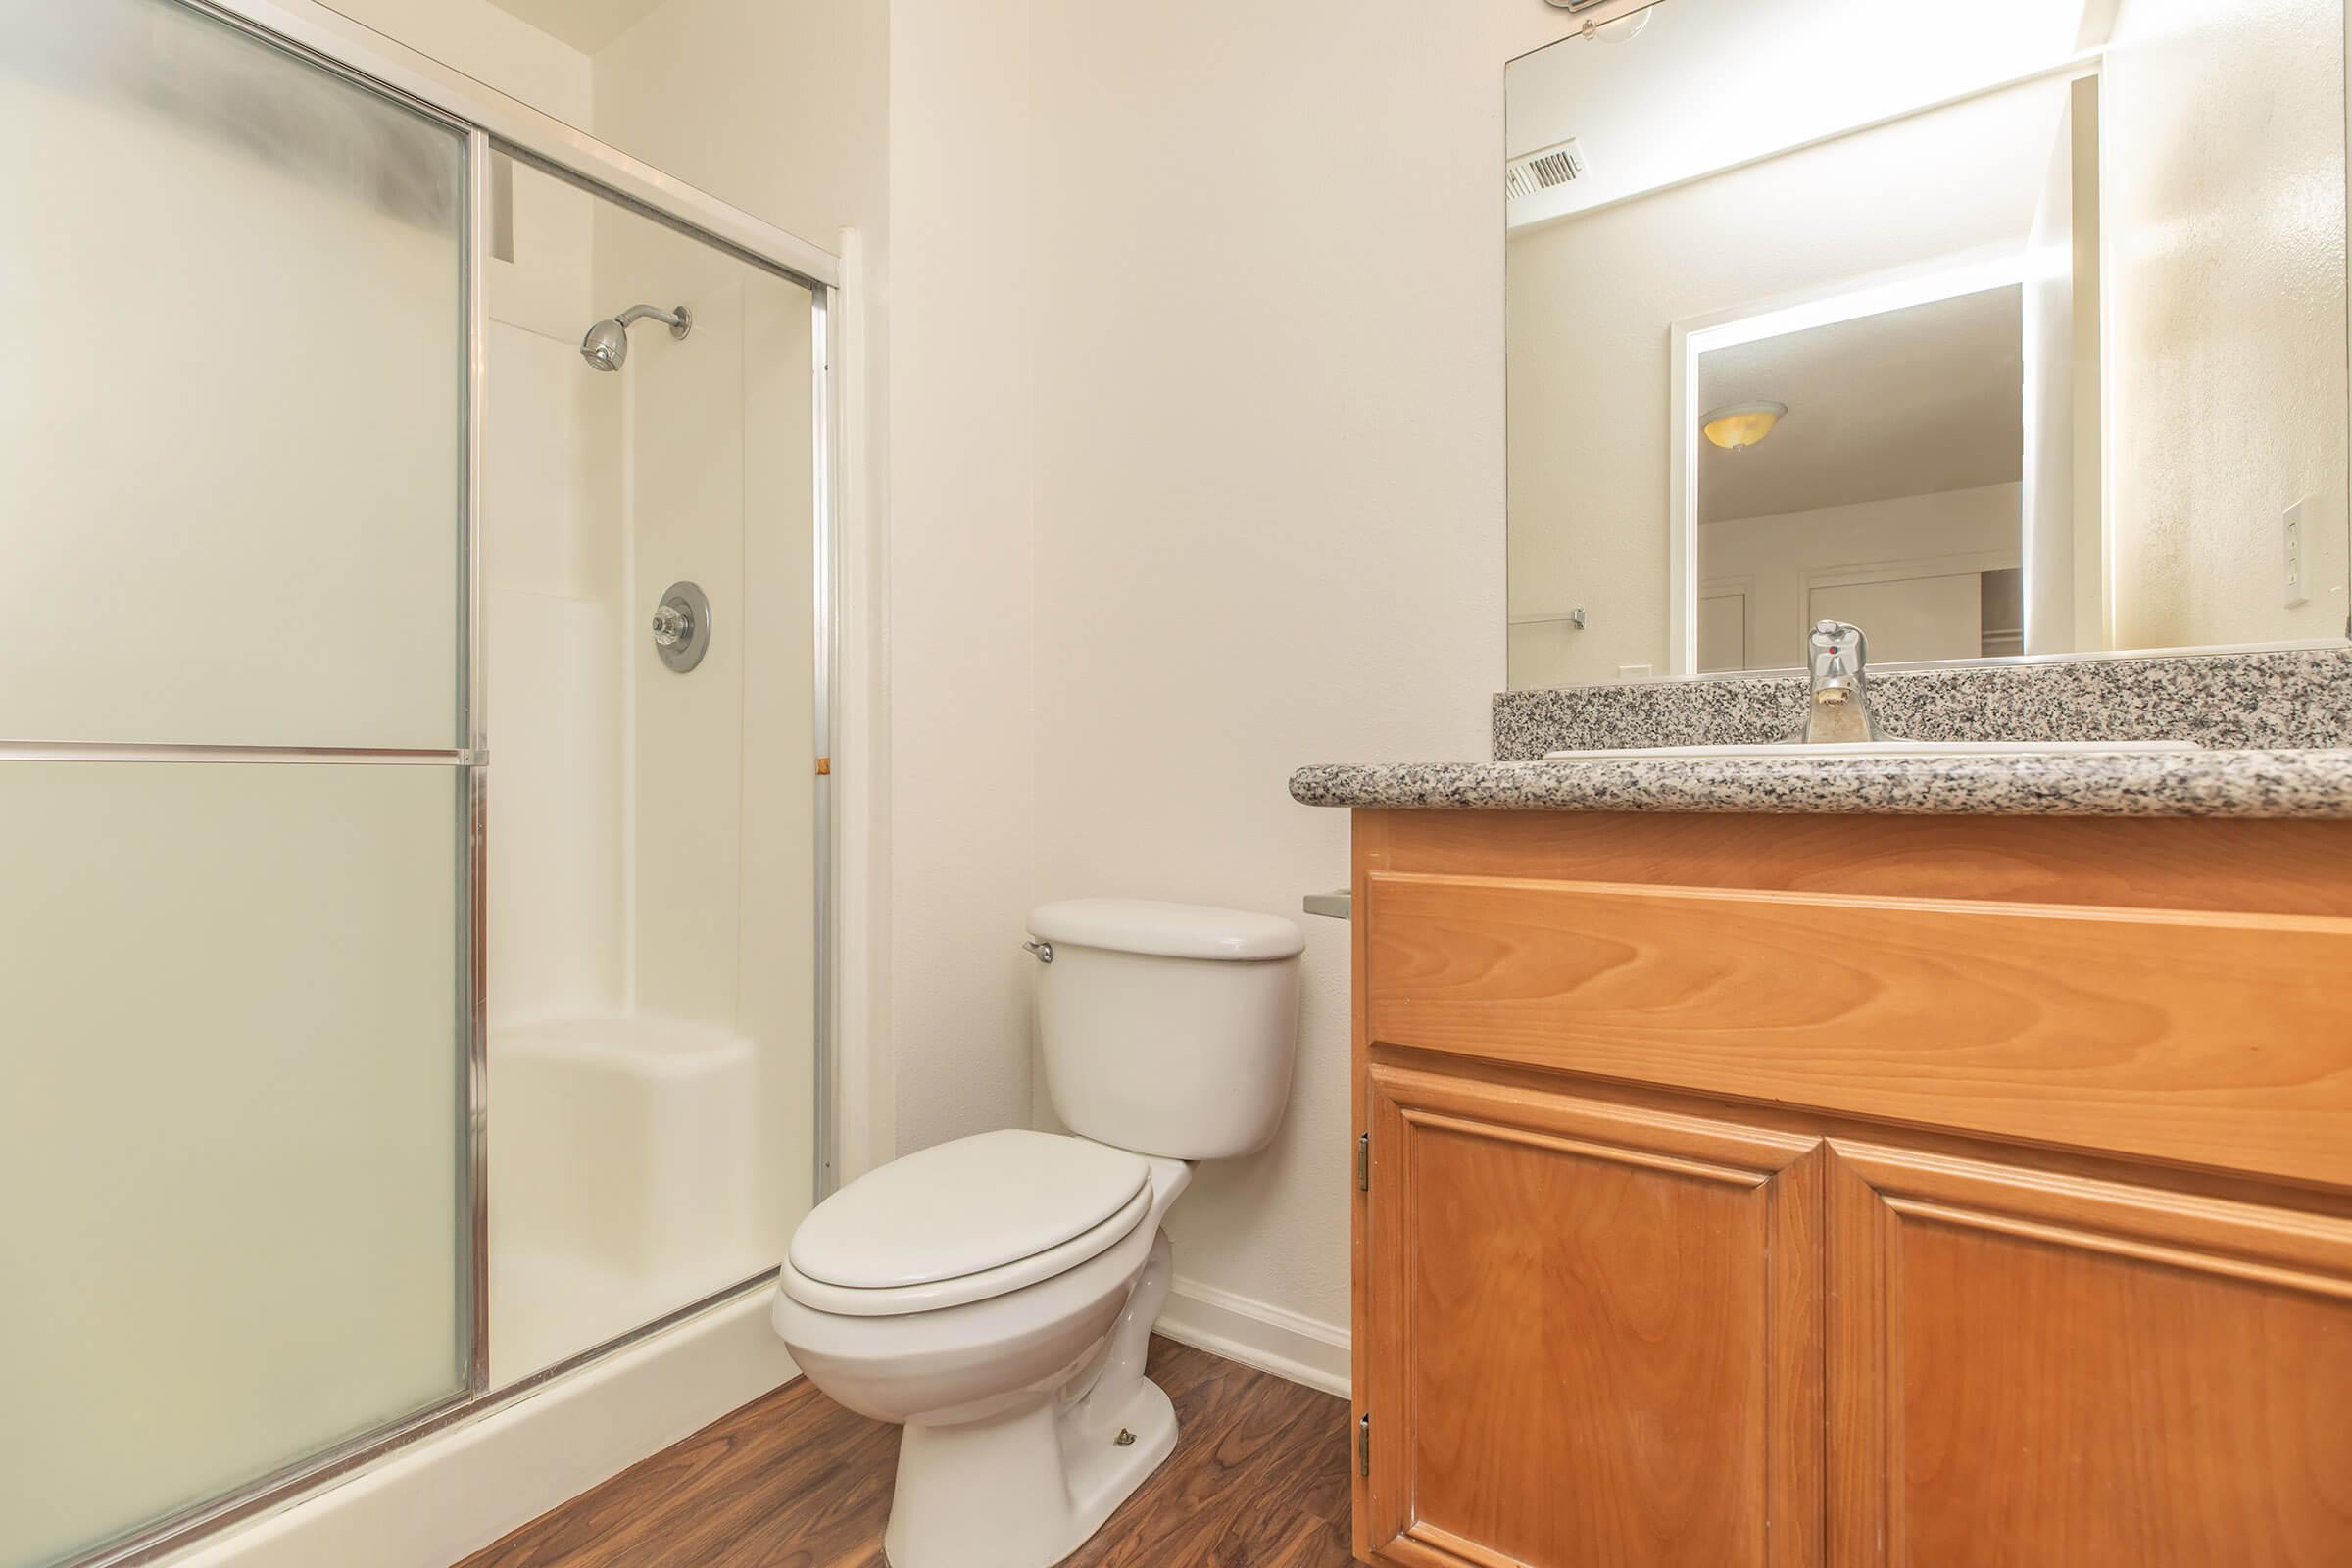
632,1035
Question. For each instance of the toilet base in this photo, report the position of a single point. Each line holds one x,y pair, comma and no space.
1025,1490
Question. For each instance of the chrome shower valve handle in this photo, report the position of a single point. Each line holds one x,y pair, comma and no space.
681,626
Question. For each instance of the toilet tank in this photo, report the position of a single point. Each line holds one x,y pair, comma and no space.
1167,1028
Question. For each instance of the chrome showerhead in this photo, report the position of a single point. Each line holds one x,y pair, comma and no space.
607,345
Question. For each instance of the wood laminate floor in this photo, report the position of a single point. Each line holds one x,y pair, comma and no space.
1258,1480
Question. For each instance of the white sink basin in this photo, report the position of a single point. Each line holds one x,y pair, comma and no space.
1798,751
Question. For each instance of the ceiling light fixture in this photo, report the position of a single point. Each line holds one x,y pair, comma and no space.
1743,424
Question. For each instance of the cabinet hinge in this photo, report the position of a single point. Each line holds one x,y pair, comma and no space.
1363,1163
1363,1445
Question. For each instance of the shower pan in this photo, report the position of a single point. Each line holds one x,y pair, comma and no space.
473,895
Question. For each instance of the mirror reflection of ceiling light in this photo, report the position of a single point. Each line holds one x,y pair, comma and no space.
1743,424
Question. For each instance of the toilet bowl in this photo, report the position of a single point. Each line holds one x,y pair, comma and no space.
994,1295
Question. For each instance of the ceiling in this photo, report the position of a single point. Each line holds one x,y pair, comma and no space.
1910,402
585,24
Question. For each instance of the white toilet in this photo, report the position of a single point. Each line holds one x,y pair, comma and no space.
994,1295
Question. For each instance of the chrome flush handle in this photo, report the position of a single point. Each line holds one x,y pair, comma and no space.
1041,950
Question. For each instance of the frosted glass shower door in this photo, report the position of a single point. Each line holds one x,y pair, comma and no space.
234,987
231,428
228,1137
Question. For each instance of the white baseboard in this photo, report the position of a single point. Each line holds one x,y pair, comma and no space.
1256,1333
456,1491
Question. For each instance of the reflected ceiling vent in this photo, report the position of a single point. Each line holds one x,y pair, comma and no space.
1546,168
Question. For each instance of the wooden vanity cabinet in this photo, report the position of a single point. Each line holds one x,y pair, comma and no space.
2032,1369
1952,1193
1538,1256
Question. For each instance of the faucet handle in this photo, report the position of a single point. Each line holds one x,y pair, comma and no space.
1841,642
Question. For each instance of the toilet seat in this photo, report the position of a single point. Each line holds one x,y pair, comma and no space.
963,1221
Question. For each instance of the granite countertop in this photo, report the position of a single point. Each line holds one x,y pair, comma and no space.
2310,782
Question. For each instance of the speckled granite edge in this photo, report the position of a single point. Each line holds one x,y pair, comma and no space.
2307,783
2286,698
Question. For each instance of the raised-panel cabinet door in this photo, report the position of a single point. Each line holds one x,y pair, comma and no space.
2039,1371
1594,1334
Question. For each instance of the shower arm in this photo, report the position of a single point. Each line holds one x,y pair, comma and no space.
677,320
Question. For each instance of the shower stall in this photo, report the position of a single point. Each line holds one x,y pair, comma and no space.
413,729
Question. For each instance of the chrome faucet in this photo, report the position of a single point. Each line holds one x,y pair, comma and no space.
1837,710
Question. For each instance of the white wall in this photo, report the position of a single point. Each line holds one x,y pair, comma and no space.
776,106
488,44
1592,301
1775,556
965,818
1269,509
2225,180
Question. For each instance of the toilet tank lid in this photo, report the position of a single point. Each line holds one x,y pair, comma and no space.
1166,930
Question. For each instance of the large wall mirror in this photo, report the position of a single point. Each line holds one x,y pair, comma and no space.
2008,329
